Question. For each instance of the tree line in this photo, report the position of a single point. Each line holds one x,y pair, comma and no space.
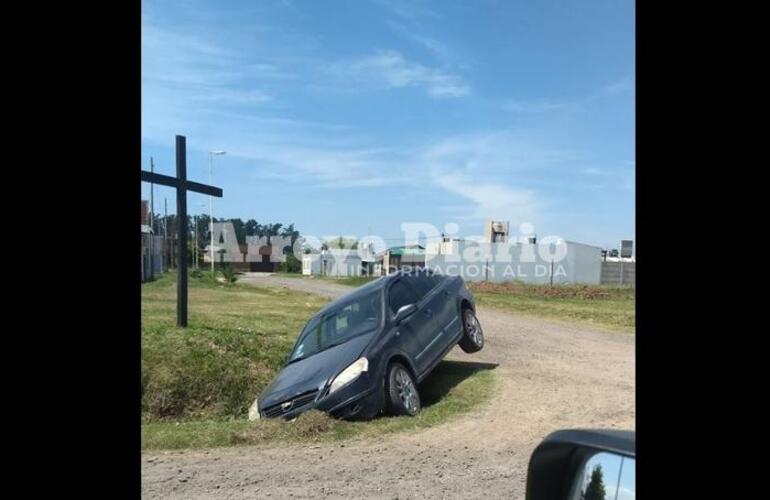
200,226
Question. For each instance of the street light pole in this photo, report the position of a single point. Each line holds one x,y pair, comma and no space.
211,207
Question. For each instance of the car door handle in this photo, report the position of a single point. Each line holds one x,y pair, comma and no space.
446,292
428,312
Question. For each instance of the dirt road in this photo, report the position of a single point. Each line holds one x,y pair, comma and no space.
550,376
313,285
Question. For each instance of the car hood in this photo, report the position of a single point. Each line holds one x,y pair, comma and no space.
314,372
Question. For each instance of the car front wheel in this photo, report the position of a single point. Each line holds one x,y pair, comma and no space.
403,397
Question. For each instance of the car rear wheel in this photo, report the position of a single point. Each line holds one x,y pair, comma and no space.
473,337
403,397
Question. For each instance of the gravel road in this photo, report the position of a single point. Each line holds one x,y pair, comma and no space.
551,375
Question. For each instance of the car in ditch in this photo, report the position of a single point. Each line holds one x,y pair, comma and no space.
367,351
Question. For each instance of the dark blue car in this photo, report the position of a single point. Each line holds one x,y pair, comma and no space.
366,351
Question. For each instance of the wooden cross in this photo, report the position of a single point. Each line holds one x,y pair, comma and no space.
182,185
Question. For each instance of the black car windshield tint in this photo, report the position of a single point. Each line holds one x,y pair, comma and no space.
400,295
338,325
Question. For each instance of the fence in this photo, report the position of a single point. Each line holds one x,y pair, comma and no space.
582,264
618,273
152,256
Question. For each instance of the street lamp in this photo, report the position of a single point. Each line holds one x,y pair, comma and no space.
211,205
202,206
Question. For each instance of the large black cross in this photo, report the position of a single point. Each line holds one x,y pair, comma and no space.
182,185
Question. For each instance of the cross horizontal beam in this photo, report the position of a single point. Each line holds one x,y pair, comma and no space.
167,180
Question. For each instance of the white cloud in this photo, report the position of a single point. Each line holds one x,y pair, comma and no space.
539,106
183,74
490,171
618,87
411,11
389,69
490,201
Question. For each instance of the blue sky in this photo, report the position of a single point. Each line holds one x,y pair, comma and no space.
351,117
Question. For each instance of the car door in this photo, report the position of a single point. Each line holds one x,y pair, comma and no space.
412,330
445,308
431,304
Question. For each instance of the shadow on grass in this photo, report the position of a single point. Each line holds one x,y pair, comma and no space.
446,376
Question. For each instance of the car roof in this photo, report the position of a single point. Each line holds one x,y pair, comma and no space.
372,286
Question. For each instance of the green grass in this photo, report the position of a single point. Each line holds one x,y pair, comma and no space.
608,306
349,280
452,389
234,344
605,306
198,382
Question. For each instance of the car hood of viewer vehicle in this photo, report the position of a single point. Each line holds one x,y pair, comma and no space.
313,373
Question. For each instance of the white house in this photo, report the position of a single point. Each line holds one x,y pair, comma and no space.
338,262
311,264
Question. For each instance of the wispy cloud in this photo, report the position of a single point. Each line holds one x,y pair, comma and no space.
539,106
492,174
389,69
181,70
620,86
490,200
411,11
544,105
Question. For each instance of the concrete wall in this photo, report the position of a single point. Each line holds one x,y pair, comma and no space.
611,274
530,263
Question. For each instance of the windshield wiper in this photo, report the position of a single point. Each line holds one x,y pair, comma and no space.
300,358
316,352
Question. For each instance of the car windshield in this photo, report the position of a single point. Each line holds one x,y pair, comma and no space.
339,325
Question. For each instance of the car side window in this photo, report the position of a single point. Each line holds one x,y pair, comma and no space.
401,294
435,279
422,283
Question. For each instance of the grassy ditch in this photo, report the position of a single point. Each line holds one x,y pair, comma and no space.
198,382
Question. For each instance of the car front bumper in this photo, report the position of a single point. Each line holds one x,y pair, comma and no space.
363,396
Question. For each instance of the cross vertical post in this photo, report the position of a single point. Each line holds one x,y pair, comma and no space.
181,210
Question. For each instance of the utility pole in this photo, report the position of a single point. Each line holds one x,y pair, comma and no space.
195,240
152,198
211,204
152,222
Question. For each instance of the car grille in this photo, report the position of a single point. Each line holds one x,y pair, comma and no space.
296,402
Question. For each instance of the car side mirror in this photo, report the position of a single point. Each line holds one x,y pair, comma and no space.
583,464
404,312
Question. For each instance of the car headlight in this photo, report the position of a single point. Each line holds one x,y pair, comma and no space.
349,374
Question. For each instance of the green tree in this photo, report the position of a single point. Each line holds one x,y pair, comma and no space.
341,243
291,265
595,489
252,227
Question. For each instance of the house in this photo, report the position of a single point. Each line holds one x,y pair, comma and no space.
340,262
311,264
263,261
333,262
395,258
